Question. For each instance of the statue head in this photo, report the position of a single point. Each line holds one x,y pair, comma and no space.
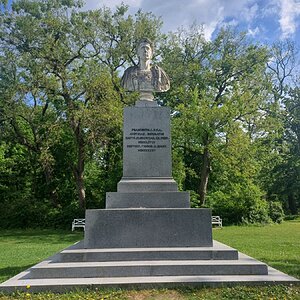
145,49
145,77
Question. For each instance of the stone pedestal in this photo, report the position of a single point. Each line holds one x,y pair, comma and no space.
147,210
147,162
148,228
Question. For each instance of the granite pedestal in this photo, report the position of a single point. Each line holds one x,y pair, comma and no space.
147,210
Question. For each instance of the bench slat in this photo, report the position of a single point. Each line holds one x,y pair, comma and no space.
77,223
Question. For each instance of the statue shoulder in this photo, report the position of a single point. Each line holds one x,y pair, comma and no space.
161,80
129,74
131,70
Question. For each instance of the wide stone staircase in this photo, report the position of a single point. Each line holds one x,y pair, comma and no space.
77,267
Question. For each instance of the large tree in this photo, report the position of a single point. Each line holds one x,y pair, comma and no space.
217,85
61,79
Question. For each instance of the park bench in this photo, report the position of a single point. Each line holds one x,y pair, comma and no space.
77,223
216,220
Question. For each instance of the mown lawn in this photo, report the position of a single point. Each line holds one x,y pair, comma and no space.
21,249
277,245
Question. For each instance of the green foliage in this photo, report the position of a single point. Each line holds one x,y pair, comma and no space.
62,104
239,204
217,87
276,211
235,113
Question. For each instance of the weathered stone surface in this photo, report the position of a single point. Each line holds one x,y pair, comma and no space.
145,77
147,142
133,228
57,275
150,184
217,252
148,200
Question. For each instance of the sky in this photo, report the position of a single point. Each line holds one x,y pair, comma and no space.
266,21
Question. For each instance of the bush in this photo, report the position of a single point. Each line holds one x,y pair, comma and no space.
259,213
241,203
276,212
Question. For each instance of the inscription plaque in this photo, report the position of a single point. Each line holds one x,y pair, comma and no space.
147,145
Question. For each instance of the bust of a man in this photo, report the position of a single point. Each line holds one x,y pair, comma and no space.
145,77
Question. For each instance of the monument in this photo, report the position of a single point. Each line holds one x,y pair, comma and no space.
147,210
148,235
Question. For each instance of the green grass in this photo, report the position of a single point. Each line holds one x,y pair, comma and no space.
21,249
277,245
225,293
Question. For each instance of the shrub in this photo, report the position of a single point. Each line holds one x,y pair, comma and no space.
240,203
276,212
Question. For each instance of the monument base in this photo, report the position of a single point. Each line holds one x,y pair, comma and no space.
142,228
148,200
79,268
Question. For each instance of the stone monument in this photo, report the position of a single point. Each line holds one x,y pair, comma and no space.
147,210
148,235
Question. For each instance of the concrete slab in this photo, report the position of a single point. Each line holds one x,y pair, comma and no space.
217,252
147,142
150,184
60,285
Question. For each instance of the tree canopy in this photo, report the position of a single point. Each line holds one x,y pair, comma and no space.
235,113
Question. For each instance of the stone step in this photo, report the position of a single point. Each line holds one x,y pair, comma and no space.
217,252
244,266
38,283
148,200
66,284
147,184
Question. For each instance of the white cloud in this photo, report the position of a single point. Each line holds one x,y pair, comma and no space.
250,13
253,31
289,11
93,4
210,13
213,14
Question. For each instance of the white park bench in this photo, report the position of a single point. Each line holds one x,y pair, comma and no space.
216,220
77,223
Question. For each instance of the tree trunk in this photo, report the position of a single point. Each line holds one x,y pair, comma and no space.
79,168
52,191
205,170
80,188
292,204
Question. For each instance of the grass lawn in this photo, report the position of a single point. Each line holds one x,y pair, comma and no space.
277,245
21,249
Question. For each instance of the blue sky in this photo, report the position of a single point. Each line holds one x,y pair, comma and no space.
264,20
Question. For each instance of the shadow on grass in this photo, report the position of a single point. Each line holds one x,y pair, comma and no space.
8,272
41,236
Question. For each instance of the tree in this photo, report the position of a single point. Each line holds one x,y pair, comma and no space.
283,180
216,85
62,84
